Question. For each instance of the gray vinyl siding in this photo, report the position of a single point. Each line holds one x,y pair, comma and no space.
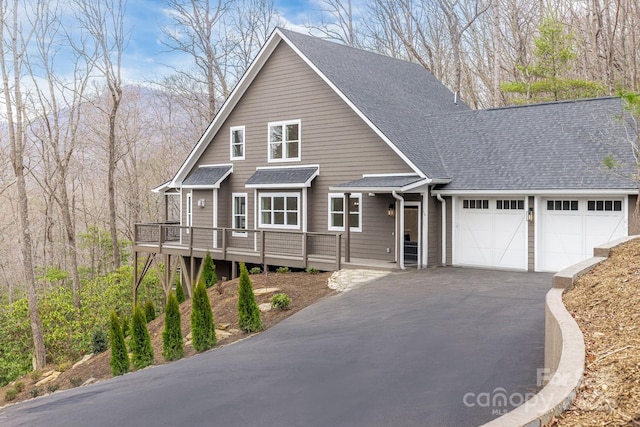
632,215
332,136
435,232
531,243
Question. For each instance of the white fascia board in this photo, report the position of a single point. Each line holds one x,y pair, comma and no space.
378,175
162,187
296,186
227,107
404,189
564,192
290,167
353,107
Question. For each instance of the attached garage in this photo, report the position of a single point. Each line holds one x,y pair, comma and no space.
491,232
569,228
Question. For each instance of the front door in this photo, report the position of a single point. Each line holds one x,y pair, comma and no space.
412,236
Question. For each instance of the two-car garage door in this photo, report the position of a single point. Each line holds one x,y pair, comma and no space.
571,227
491,233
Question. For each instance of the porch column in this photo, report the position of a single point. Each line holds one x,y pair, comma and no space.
347,227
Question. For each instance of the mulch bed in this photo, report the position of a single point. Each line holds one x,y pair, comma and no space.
606,304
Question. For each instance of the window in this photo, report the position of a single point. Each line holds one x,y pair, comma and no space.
280,210
284,141
475,204
239,214
237,143
510,204
336,212
604,205
562,205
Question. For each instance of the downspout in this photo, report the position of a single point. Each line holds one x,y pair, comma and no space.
444,228
400,237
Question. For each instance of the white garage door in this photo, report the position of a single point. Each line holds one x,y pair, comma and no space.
570,228
491,233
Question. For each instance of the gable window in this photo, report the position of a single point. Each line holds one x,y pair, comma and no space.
284,141
475,204
604,205
239,214
337,212
237,143
562,205
280,210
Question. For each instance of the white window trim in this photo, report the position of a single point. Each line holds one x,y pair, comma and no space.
188,216
295,194
233,213
284,151
244,145
345,217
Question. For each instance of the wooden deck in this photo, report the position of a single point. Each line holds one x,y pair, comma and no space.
282,248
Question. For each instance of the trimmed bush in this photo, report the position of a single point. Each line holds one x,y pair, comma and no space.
35,392
248,312
149,311
203,332
179,291
19,386
119,355
52,388
281,301
172,335
10,394
75,381
99,341
140,340
312,270
209,271
255,270
283,270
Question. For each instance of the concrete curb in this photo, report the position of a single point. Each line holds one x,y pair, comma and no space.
564,351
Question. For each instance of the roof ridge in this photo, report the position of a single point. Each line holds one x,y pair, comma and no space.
564,101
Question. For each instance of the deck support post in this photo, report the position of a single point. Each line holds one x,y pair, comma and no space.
234,267
135,277
305,254
338,250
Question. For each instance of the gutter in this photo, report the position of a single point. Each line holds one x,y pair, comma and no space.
400,229
444,228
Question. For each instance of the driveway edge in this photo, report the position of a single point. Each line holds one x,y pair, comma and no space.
564,351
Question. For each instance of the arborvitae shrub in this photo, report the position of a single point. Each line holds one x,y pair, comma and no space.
172,335
203,332
99,341
140,340
248,312
179,291
209,271
149,311
119,355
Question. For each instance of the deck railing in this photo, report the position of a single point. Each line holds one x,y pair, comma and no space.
237,244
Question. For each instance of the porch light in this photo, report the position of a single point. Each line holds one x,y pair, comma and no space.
201,203
530,215
392,210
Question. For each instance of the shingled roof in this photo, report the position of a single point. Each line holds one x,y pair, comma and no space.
552,146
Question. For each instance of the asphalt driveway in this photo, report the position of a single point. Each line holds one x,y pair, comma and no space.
441,347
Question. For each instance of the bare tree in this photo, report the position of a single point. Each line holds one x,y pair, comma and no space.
14,40
103,22
338,21
59,107
196,32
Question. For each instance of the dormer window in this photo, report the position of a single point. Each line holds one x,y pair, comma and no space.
284,141
237,143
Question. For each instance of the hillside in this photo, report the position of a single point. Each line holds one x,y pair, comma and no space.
303,288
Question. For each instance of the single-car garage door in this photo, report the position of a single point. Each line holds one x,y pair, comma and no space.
491,233
571,227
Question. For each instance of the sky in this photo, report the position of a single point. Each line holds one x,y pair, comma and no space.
146,58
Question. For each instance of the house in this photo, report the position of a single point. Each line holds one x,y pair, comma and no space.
317,136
